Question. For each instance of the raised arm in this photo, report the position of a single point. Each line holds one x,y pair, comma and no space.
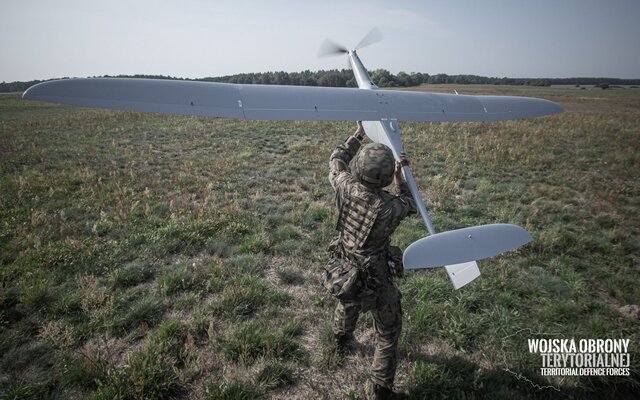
342,155
406,204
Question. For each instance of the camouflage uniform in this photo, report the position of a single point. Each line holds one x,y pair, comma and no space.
367,218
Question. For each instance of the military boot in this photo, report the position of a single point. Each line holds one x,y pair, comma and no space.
383,393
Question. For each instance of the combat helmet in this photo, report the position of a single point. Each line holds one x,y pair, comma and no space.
374,165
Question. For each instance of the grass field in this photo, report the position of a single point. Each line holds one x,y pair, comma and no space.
149,256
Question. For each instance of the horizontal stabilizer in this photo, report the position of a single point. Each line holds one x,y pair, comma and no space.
464,245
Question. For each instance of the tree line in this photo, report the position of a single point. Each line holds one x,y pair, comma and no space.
381,77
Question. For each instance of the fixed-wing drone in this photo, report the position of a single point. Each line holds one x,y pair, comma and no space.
380,110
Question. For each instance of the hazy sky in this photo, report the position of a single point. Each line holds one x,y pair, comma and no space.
41,39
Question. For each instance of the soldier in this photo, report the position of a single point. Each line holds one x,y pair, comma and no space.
367,216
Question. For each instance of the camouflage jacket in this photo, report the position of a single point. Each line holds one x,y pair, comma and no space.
366,217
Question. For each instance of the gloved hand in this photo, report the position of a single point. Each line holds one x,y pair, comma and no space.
396,268
359,134
399,164
394,261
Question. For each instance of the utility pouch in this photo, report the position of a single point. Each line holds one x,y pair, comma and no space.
342,279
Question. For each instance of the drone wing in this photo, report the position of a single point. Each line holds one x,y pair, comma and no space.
441,107
273,102
208,99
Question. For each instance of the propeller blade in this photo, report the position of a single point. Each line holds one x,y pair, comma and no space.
330,48
374,36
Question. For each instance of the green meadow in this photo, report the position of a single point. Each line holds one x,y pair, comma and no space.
146,256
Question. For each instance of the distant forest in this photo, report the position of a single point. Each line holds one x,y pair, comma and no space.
381,77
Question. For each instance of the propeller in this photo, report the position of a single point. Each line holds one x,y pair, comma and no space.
374,36
330,48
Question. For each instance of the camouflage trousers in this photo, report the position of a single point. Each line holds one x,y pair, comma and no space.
386,309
